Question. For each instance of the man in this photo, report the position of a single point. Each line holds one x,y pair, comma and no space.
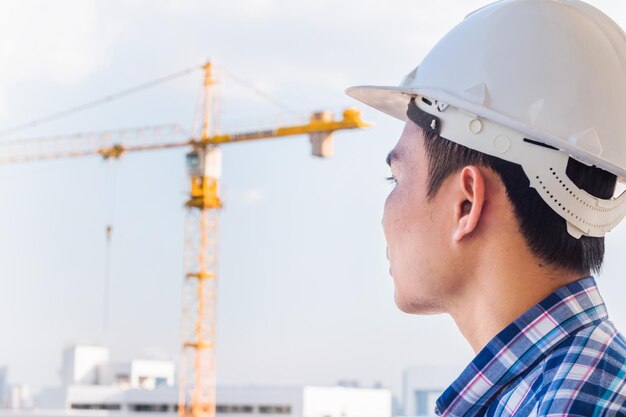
505,173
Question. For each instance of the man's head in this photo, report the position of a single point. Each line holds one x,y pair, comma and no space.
453,208
521,108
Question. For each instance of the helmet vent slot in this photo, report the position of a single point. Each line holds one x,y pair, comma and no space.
559,205
534,142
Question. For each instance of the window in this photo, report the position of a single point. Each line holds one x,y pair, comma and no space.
249,409
158,408
234,408
122,379
275,409
95,406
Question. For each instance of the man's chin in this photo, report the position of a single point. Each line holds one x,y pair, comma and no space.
418,306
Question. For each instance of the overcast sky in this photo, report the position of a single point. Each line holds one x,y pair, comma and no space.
304,293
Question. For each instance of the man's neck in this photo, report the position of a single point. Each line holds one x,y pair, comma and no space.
500,291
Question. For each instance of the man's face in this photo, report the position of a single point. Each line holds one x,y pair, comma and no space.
418,230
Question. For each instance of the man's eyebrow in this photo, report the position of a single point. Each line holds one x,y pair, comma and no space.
392,156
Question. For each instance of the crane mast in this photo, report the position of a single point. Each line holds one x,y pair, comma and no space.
197,365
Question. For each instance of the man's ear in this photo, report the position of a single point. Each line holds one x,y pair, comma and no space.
470,202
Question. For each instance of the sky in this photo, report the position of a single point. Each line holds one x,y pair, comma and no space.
304,291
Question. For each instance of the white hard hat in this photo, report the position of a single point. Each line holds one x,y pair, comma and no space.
519,73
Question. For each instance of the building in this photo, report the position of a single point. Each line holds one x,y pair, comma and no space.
82,363
93,386
252,400
3,386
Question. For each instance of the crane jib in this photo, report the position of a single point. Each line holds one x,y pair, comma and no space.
253,135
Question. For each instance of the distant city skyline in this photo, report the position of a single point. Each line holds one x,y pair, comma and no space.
93,380
304,293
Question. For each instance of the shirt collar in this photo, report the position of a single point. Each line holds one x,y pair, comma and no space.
520,345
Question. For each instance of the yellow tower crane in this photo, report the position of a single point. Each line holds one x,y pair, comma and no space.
197,361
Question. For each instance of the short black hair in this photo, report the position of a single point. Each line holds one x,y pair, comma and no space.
544,230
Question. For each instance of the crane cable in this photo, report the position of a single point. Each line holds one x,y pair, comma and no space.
109,195
264,95
100,101
107,99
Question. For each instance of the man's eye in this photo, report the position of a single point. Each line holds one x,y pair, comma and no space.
391,179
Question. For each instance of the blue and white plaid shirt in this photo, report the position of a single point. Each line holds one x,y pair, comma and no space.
563,357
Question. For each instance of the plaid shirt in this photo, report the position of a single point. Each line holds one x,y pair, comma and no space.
563,357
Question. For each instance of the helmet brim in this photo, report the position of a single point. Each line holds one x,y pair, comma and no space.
392,100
